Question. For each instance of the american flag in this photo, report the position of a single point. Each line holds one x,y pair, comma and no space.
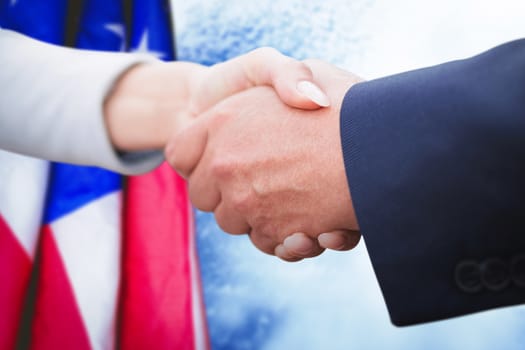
88,259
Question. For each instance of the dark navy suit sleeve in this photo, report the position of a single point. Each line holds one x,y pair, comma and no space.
435,161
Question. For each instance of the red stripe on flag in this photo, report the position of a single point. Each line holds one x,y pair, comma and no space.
57,323
156,304
15,270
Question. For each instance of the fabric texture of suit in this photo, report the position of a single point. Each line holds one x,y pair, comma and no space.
51,103
435,161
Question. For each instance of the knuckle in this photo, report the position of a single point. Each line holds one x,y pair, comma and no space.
221,116
260,63
230,221
175,160
264,52
184,170
193,193
197,198
300,67
222,221
244,201
312,61
314,64
262,242
222,168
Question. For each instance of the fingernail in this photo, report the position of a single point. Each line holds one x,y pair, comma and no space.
279,251
332,241
298,243
313,92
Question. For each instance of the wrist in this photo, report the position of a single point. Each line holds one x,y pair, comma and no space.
129,111
150,103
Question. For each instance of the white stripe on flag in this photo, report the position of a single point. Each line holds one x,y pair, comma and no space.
89,243
22,196
200,329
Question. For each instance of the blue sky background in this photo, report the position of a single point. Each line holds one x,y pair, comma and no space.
333,302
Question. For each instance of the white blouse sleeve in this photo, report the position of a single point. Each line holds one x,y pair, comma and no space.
51,103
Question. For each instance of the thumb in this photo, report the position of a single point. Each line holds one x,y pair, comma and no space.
184,150
292,80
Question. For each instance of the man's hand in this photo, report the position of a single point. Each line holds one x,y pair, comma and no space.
150,102
271,170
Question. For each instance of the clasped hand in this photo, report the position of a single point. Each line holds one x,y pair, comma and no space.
257,138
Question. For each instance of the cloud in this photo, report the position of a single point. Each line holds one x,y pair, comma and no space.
333,302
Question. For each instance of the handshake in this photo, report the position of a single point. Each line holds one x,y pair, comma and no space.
258,140
434,158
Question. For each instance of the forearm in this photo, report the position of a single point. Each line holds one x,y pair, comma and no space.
51,105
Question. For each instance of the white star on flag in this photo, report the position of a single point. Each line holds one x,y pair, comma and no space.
143,47
120,31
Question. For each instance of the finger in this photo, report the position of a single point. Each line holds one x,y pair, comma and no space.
291,79
203,190
320,70
186,148
299,245
230,220
263,242
282,253
339,240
